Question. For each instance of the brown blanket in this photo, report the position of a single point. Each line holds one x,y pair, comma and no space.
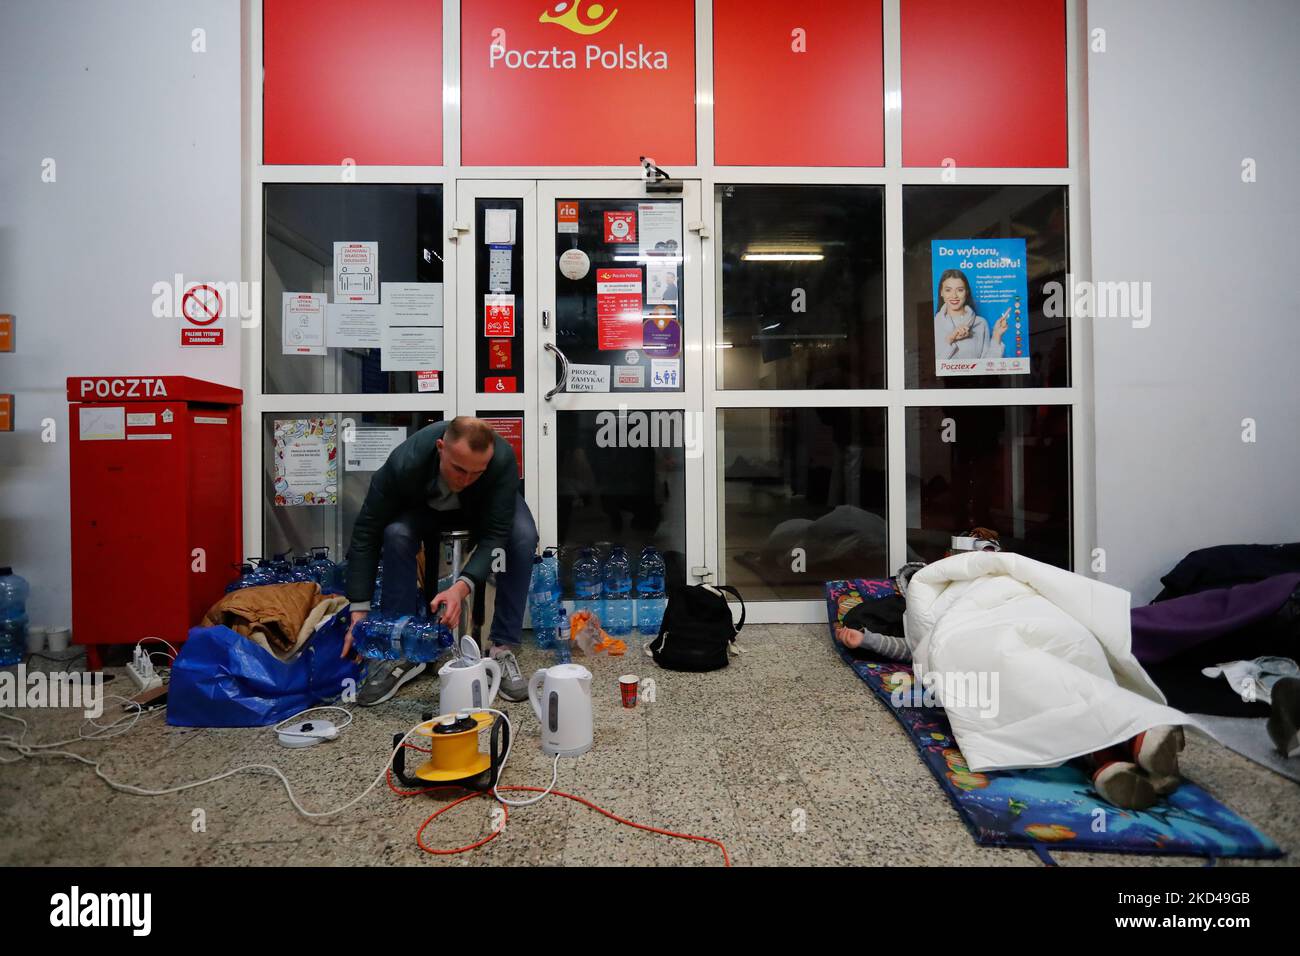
278,617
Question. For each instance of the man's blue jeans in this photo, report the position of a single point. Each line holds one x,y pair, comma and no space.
402,540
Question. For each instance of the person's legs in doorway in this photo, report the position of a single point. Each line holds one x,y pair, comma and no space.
400,597
512,600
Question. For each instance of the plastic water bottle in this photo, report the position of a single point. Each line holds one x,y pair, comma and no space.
379,582
301,572
323,571
281,569
541,603
13,617
262,573
403,638
563,639
244,580
551,558
651,598
586,584
425,640
616,579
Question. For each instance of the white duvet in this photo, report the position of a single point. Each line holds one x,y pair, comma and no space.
1032,663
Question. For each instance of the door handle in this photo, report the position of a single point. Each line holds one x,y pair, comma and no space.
562,384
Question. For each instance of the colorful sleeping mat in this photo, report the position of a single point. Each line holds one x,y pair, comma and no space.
1042,809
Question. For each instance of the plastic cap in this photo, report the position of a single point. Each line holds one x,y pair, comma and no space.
6,570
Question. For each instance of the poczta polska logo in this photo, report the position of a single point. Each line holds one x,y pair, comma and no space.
570,15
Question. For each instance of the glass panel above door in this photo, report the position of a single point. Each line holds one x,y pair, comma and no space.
618,293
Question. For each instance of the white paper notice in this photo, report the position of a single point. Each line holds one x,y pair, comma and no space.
370,447
356,272
499,269
353,327
96,423
661,228
588,378
302,322
412,327
499,227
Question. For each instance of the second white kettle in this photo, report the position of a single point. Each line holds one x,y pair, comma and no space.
561,699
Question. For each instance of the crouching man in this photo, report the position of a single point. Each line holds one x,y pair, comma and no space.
451,475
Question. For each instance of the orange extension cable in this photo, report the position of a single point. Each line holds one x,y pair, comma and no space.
419,834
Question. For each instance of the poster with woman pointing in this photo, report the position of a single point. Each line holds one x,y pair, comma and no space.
981,303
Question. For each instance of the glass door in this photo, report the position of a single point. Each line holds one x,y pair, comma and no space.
619,376
584,303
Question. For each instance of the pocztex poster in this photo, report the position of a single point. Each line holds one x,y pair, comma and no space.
981,306
306,462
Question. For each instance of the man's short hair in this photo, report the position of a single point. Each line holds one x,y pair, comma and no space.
477,433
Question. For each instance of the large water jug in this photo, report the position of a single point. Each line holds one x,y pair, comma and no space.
13,617
651,597
243,581
323,571
616,581
301,572
586,584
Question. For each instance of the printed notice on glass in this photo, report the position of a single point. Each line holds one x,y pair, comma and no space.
303,323
588,378
412,327
499,227
981,306
306,465
356,272
353,327
499,268
618,309
661,229
370,447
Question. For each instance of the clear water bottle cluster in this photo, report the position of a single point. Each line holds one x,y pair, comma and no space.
401,639
316,567
623,597
13,617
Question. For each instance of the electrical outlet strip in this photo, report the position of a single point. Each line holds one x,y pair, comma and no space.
141,670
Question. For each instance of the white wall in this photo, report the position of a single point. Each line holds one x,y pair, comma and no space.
1185,91
145,135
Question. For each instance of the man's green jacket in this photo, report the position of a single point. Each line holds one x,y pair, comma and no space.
407,481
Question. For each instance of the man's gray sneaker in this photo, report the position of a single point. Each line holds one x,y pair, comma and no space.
514,687
386,678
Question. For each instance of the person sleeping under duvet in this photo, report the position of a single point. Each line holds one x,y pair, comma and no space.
1064,681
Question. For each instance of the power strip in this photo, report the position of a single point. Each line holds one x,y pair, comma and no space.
141,670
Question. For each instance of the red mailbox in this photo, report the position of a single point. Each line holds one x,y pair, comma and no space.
156,505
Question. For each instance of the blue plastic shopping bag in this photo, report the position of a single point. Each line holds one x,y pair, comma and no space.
222,679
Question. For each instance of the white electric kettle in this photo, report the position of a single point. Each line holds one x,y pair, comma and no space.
468,681
561,698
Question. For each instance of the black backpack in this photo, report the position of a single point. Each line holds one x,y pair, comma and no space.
697,629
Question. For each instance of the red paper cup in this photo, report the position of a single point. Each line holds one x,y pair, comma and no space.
628,685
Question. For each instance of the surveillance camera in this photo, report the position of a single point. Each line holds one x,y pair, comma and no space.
649,170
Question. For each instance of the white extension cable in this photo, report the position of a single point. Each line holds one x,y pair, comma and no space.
28,751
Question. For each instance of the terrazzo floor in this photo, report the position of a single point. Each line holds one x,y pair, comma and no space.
785,757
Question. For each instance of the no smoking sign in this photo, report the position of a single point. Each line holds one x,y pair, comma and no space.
201,307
